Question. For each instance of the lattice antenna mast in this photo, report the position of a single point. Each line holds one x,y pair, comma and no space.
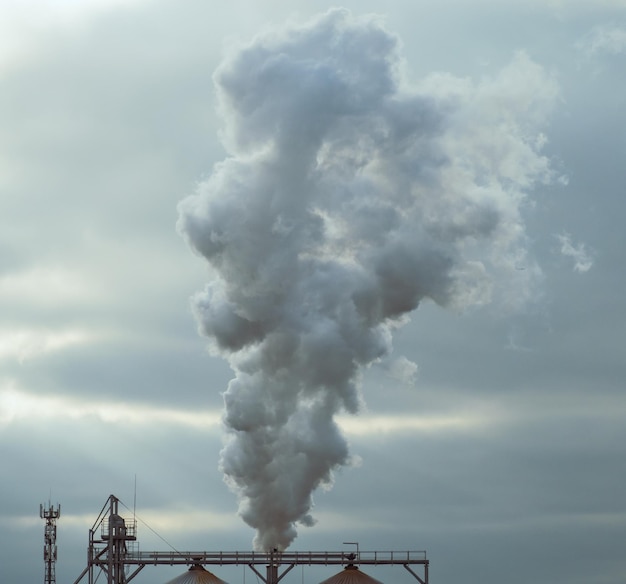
50,514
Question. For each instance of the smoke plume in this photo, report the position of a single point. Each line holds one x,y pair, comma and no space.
349,196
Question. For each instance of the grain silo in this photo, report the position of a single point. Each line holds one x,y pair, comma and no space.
351,575
197,574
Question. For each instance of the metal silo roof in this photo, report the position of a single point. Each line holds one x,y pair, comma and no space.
351,575
196,575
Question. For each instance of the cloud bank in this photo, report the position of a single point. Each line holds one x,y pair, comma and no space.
349,196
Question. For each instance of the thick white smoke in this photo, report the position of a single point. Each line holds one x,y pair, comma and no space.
347,198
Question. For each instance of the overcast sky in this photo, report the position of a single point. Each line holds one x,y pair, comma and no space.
491,425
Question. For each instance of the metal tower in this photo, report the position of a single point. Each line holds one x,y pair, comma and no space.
50,514
113,550
110,546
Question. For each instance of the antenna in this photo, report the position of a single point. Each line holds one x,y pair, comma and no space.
135,498
50,514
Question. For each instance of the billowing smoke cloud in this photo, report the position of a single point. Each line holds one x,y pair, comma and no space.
348,197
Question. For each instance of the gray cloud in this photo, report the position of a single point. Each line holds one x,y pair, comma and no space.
604,39
503,451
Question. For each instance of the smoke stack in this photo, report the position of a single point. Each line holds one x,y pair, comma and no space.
348,197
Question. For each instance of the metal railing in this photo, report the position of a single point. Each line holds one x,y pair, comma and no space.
276,558
129,526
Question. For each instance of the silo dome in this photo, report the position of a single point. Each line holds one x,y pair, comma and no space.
351,575
197,574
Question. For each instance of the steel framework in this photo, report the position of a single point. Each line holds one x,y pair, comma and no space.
111,551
